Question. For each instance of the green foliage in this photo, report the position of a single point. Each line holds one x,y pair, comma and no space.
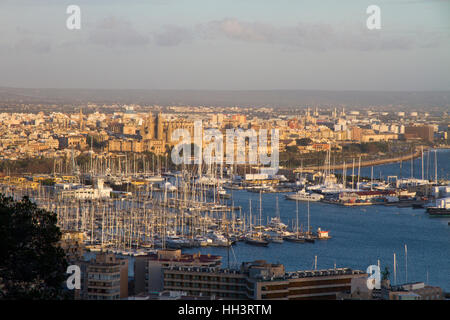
32,165
48,182
368,147
83,159
32,265
295,159
96,143
304,142
385,274
292,149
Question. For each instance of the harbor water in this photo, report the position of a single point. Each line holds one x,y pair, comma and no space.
360,235
405,170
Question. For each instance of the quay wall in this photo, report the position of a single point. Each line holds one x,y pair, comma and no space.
369,163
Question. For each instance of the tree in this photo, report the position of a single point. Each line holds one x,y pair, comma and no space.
292,149
32,265
304,142
386,273
96,143
48,182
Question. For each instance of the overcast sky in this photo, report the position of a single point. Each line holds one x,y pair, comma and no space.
226,44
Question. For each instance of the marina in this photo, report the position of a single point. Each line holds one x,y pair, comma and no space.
180,211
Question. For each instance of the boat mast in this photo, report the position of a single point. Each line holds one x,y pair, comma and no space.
250,212
359,172
371,178
260,208
406,263
308,217
422,164
435,167
260,213
395,270
296,210
353,175
277,211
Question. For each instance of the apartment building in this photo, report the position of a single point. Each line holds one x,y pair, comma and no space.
206,282
260,280
104,278
148,270
72,141
425,133
72,242
412,291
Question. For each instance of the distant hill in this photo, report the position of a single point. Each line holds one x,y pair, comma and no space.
272,98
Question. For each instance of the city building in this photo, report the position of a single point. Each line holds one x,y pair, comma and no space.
412,291
72,242
104,277
78,191
423,132
260,280
148,270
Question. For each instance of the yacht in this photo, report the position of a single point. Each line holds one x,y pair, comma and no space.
276,239
256,240
302,195
275,223
442,208
219,192
295,238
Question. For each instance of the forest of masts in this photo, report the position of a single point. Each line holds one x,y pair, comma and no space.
151,217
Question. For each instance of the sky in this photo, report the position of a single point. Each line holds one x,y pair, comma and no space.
226,45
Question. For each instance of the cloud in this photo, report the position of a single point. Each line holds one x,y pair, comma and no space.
238,30
116,32
408,2
31,45
316,37
173,36
25,41
85,2
26,45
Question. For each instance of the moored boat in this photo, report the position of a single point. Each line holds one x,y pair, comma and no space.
442,208
302,195
294,238
256,241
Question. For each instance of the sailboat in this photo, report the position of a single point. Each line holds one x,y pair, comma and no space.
329,185
309,237
296,237
256,239
277,226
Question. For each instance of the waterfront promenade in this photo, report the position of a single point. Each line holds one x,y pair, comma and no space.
367,163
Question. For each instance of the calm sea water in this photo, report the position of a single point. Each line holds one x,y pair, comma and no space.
405,170
360,235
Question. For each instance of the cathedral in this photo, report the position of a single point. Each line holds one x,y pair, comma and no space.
159,129
156,133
